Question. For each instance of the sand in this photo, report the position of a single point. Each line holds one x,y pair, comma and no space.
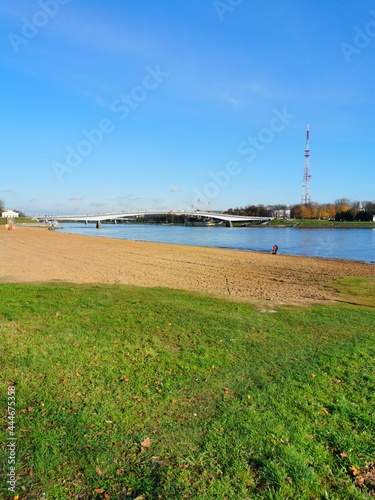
36,255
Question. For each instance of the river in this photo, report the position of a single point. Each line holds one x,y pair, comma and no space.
350,244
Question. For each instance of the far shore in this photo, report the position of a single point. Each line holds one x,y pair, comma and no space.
36,255
277,223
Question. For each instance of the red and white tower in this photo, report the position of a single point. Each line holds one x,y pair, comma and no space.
306,196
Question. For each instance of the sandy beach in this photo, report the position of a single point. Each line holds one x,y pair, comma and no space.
36,255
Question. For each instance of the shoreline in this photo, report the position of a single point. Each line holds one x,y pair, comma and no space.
35,256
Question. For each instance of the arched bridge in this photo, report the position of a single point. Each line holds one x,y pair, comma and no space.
198,214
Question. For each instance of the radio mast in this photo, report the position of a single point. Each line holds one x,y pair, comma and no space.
306,196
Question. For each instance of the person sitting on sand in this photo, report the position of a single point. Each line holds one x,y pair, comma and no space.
274,249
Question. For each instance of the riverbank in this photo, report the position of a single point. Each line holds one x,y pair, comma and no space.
321,224
34,255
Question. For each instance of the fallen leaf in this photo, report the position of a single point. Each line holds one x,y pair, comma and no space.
146,443
124,378
310,436
226,390
337,381
343,455
355,471
64,381
99,490
98,471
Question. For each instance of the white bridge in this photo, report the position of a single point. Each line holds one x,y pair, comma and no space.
114,216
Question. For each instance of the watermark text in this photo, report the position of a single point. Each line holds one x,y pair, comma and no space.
362,39
31,26
122,108
11,445
223,7
249,150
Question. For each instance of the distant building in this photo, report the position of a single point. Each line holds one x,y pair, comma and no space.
281,214
9,214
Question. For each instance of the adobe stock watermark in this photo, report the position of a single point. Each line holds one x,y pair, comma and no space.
362,39
32,26
248,149
12,440
122,108
223,7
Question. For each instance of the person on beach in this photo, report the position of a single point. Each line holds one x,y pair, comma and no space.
274,249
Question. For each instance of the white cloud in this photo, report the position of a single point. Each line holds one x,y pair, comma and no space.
95,204
8,191
83,28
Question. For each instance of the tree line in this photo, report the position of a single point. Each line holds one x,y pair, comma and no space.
341,209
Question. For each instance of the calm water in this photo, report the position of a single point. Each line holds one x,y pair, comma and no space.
352,244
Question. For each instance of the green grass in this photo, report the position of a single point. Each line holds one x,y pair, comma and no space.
18,220
356,291
125,392
317,223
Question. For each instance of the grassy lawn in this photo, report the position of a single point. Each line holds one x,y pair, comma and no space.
315,223
18,220
125,392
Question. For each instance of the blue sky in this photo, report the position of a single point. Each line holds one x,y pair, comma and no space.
113,105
